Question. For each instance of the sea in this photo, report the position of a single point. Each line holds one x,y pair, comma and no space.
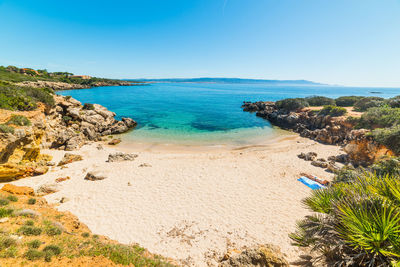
190,113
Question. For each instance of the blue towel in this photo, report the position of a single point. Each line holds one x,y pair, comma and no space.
310,183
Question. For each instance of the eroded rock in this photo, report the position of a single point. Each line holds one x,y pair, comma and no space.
119,156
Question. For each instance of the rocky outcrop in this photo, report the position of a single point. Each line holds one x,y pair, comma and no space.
71,124
18,190
70,86
69,158
119,156
95,176
361,148
263,255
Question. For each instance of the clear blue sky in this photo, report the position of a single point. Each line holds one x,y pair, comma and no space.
350,42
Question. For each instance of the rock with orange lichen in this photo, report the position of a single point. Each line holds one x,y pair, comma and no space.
18,190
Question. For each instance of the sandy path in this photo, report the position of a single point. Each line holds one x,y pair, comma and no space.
191,206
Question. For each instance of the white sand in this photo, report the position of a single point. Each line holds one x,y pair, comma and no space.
191,205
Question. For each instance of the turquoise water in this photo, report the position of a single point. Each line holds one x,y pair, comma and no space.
205,113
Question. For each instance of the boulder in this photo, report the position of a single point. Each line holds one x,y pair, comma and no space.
310,156
114,142
69,158
263,255
18,190
318,163
46,189
95,176
119,156
62,179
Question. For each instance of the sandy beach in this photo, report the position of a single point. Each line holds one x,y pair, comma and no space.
190,205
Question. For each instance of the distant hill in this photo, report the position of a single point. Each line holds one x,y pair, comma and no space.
230,80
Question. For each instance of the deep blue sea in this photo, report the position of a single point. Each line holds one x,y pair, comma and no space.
203,113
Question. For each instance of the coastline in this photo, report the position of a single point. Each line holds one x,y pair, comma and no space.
188,203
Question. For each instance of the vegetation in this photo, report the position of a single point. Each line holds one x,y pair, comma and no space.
34,243
15,97
30,230
380,117
347,101
292,104
31,201
332,111
88,106
389,137
12,198
317,101
4,201
19,120
368,102
355,224
6,129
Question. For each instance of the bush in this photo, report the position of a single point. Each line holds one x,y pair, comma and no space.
34,243
379,117
389,137
12,198
354,224
52,230
6,212
4,201
88,106
85,234
33,254
345,175
332,111
6,242
19,120
66,119
394,102
55,250
29,223
32,201
30,230
347,101
316,101
368,102
6,129
291,104
387,166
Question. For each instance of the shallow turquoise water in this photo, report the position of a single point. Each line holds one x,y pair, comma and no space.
204,113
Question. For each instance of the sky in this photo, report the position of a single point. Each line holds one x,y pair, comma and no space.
346,42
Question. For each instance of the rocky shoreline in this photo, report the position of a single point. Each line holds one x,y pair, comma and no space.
357,143
68,125
71,86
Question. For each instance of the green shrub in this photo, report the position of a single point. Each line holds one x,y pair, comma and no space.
354,224
19,120
12,198
332,111
5,212
33,254
85,234
394,102
387,166
368,102
52,230
34,243
30,230
346,174
29,223
6,129
31,201
347,101
4,201
6,242
389,137
292,104
54,249
10,252
379,117
316,101
66,119
88,106
353,120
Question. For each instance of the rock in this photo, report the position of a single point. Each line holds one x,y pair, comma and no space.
301,155
114,142
145,165
64,199
69,158
74,143
310,156
99,147
318,163
342,158
51,163
46,189
95,176
332,167
263,255
27,212
18,190
3,220
62,179
119,156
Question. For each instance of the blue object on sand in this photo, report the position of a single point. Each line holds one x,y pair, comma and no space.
310,183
